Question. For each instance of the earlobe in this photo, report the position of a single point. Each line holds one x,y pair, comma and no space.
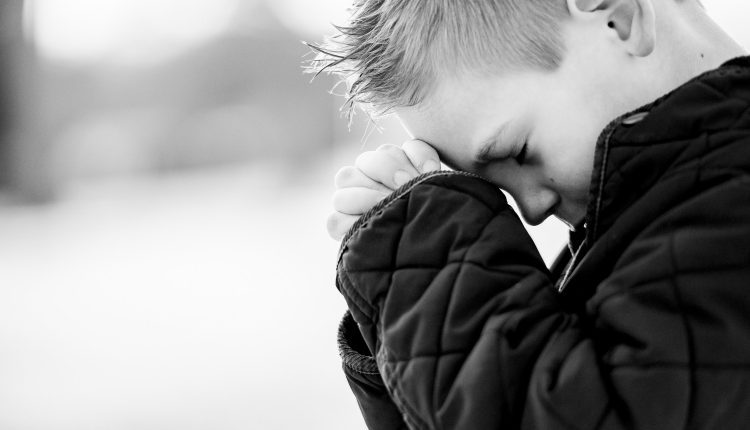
635,24
642,37
634,21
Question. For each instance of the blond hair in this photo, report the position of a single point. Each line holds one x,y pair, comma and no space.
392,52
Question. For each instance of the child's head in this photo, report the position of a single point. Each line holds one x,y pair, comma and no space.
399,49
480,80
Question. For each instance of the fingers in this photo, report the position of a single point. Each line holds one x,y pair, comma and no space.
388,165
338,224
351,176
374,176
422,156
356,200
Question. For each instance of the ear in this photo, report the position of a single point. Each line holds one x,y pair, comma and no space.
633,21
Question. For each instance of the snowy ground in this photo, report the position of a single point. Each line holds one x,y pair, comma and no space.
202,300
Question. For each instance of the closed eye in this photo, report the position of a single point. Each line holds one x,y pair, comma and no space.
521,156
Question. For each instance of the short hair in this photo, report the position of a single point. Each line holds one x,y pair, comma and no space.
391,52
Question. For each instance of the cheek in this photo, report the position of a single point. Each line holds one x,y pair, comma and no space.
571,126
570,164
573,181
581,182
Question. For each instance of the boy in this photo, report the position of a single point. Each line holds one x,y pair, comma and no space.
628,120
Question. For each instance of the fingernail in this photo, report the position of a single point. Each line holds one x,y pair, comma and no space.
430,165
401,177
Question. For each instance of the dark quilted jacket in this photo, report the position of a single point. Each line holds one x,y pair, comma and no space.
456,323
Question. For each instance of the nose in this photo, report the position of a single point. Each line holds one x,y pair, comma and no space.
534,198
537,206
535,203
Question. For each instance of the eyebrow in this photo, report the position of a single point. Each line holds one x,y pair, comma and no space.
489,144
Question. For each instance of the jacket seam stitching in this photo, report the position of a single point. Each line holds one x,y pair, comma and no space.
408,410
726,96
423,357
449,263
688,333
352,359
600,186
358,299
393,197
464,260
689,167
442,334
718,367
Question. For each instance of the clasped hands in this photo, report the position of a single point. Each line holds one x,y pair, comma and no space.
375,175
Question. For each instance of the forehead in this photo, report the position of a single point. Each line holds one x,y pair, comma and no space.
462,113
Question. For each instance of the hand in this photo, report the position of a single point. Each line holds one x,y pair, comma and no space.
375,175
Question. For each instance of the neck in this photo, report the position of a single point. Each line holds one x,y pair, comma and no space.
702,44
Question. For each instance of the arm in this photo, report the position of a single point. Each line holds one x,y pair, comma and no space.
363,376
454,303
453,299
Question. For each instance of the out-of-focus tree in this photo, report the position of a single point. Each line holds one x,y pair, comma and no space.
24,166
235,95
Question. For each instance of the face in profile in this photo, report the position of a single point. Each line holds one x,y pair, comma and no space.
533,133
529,133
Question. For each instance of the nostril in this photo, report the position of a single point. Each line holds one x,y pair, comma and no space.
552,210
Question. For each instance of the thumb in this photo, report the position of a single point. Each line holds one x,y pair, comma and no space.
423,157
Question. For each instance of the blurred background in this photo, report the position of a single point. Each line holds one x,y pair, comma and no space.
165,174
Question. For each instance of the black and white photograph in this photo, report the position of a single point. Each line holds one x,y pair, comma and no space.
374,215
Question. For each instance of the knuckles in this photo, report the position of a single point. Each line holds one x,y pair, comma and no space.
378,166
342,200
356,200
344,176
388,147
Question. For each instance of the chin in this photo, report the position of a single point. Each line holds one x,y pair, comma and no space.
572,215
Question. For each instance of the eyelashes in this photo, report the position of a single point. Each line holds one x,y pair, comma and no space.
521,156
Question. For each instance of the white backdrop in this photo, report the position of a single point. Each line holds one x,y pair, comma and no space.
201,301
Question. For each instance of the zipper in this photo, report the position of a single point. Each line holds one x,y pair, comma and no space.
571,265
592,224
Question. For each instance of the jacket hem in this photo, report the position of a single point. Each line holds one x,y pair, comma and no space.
348,334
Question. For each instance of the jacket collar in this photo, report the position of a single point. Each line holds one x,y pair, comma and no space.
639,149
629,159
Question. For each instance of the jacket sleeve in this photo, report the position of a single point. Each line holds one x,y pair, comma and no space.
457,309
453,303
363,376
